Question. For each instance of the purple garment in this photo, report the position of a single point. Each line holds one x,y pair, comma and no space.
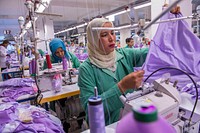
12,93
189,88
17,82
6,115
51,127
82,56
173,45
41,120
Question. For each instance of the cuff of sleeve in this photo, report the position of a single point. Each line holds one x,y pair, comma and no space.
117,89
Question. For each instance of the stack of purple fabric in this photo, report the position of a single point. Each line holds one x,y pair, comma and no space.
23,118
81,53
82,56
174,45
11,89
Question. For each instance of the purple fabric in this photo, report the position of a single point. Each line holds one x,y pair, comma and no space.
12,93
41,120
51,127
173,45
189,88
27,127
5,118
83,56
6,115
17,82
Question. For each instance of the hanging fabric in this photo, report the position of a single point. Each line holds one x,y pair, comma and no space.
173,45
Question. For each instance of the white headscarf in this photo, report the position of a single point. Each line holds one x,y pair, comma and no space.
95,56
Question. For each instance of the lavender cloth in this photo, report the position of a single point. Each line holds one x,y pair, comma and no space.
12,93
17,82
41,120
6,114
82,56
189,88
44,119
173,45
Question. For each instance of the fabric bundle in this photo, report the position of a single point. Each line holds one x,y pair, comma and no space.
12,89
23,118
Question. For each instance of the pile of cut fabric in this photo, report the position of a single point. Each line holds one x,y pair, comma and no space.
12,89
22,118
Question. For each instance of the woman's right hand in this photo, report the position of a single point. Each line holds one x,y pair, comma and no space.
132,80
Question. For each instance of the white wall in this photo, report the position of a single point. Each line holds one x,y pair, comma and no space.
156,9
45,31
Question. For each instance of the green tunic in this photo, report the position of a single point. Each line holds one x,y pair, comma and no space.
106,81
74,60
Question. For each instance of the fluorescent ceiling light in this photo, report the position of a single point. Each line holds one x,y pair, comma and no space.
65,30
116,28
142,6
123,27
72,28
118,13
81,25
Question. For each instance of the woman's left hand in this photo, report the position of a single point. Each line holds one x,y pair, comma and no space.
176,10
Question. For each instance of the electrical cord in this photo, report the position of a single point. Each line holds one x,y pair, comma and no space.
39,93
196,100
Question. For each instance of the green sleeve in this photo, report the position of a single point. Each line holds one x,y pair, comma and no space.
45,64
136,57
41,52
141,55
74,60
110,97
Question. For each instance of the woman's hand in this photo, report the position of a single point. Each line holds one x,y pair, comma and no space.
175,10
133,80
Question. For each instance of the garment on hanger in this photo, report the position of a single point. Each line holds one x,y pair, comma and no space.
176,46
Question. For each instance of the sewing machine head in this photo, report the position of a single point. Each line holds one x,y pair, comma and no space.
161,93
164,95
46,77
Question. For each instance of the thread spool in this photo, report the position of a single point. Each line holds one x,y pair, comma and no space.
64,63
33,62
48,59
144,119
30,53
20,57
96,121
30,68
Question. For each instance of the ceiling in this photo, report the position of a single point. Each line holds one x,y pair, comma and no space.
72,11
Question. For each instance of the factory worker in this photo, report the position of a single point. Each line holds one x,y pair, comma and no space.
58,50
72,47
110,70
129,42
3,54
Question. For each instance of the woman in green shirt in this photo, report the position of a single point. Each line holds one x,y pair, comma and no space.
58,51
110,70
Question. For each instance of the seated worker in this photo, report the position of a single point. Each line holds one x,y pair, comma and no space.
129,42
58,51
32,52
110,70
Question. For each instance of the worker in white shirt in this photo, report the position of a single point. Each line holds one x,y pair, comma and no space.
3,54
72,47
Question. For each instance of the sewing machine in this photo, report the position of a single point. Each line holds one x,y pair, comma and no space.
45,77
166,98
